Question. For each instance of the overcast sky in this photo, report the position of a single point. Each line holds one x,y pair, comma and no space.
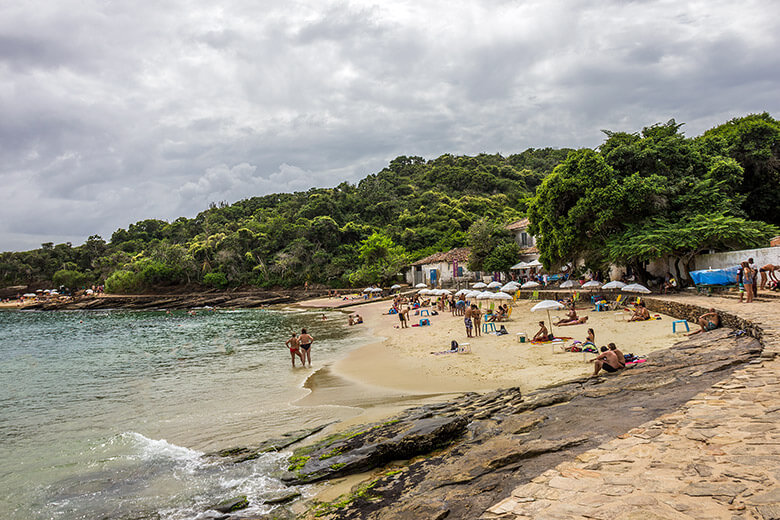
114,112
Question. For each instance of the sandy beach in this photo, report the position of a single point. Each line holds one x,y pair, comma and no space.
402,361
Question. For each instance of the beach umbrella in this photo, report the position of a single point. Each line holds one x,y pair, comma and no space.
472,294
424,291
519,265
485,295
444,292
535,263
548,305
568,283
479,285
616,284
462,291
435,292
395,286
509,288
528,285
593,284
636,287
421,286
29,295
368,289
89,291
494,285
501,296
376,290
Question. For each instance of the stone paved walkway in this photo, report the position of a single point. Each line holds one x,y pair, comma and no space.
718,457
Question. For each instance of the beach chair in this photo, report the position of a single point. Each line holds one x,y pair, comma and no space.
620,301
509,314
535,295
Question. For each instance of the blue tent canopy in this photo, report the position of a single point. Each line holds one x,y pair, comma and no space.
715,276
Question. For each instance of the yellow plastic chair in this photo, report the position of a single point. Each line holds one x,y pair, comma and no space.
535,295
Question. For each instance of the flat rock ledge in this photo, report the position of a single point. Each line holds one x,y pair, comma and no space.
462,459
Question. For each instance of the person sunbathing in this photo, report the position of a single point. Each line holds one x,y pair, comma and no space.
578,321
640,313
543,334
707,321
570,319
607,360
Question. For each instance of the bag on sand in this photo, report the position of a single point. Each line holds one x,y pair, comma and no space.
454,345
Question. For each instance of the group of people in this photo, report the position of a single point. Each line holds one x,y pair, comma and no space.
749,277
300,346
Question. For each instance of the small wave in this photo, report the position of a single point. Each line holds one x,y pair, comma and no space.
161,450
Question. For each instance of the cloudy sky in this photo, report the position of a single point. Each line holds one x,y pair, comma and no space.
114,112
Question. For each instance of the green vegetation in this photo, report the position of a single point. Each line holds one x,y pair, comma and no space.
638,196
645,196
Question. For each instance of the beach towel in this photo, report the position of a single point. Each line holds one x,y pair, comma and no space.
542,342
640,360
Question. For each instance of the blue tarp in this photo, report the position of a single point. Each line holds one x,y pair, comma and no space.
715,276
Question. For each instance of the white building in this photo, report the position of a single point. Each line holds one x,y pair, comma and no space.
524,239
442,269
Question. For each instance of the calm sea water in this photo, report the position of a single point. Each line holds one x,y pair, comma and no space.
107,414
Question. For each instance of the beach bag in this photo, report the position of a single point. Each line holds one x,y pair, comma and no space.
453,345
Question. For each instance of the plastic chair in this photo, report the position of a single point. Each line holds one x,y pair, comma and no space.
425,322
681,322
535,295
424,312
490,325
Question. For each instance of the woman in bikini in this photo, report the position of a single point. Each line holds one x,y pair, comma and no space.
294,345
306,340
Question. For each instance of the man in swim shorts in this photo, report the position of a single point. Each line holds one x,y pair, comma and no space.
293,344
467,322
305,341
707,321
607,360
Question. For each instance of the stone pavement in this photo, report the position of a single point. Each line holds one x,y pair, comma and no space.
716,457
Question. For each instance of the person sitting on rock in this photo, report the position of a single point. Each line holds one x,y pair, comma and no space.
707,321
608,360
640,313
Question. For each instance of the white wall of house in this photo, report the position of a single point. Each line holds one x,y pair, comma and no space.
444,274
762,256
524,238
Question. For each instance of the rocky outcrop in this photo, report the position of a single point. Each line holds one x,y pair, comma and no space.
456,459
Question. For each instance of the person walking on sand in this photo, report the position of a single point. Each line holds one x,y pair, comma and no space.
294,345
403,316
467,322
476,315
305,341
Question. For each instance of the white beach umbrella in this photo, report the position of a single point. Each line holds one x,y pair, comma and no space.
501,296
444,292
368,289
637,288
519,265
435,292
509,288
472,294
395,286
376,290
485,295
29,295
89,291
568,283
615,284
547,305
494,285
421,286
593,284
479,285
462,291
424,291
529,285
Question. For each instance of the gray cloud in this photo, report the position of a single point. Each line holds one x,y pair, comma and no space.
114,113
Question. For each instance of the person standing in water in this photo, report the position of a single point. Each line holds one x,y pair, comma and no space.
305,340
294,345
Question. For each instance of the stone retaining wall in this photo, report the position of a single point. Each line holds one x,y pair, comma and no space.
690,312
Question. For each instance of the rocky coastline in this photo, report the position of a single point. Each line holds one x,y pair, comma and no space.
456,459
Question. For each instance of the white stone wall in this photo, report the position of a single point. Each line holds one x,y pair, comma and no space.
762,256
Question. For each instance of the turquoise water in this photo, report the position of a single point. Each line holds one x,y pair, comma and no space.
107,414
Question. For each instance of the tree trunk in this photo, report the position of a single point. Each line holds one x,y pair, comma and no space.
680,281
